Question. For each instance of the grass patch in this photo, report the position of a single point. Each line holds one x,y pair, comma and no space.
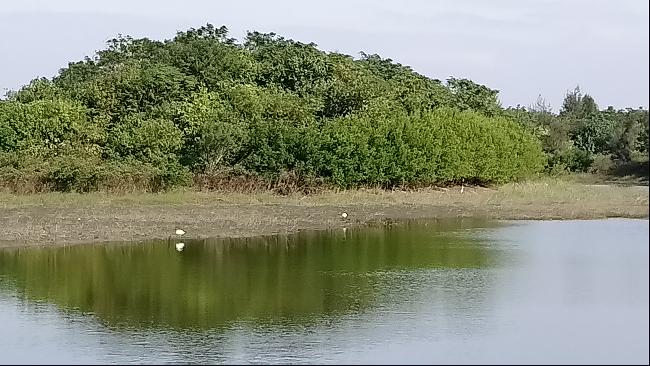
542,191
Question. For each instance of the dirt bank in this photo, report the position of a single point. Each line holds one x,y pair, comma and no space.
60,219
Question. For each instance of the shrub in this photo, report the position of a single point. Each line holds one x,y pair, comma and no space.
601,164
441,146
573,159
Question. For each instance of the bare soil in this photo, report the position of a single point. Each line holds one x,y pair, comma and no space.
63,219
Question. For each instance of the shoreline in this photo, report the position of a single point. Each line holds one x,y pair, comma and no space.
67,219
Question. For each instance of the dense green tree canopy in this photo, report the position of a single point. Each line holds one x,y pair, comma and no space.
581,132
157,112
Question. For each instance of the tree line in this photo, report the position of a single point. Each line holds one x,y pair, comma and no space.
154,114
584,138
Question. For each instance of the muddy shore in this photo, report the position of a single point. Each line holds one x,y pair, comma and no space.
45,220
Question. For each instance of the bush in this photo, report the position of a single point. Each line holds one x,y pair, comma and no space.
572,159
72,173
46,125
441,146
601,164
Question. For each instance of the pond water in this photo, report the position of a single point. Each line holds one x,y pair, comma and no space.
437,291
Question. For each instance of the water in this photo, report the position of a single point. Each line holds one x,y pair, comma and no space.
459,291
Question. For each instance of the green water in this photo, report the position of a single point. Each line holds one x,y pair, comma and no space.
422,291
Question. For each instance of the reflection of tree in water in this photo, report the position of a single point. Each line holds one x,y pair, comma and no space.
276,279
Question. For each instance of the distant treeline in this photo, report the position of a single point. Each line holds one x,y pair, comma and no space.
145,114
584,138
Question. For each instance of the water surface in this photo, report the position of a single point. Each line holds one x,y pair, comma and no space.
439,291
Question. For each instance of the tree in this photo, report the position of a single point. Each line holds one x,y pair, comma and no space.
468,95
629,133
151,111
214,132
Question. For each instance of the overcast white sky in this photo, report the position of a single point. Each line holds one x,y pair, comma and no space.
522,48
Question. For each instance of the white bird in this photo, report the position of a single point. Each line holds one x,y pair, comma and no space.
180,246
180,231
344,215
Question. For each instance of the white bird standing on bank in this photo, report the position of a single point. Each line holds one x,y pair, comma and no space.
180,246
180,231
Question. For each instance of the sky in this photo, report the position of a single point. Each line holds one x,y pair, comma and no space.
521,48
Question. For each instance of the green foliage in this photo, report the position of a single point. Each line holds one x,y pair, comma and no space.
37,89
413,91
572,159
602,164
287,64
214,133
630,133
593,134
47,127
468,95
578,106
154,112
351,87
387,148
148,140
581,133
644,130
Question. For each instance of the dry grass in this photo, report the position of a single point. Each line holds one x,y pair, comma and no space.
547,191
62,218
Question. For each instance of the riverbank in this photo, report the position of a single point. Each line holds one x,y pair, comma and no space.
61,219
